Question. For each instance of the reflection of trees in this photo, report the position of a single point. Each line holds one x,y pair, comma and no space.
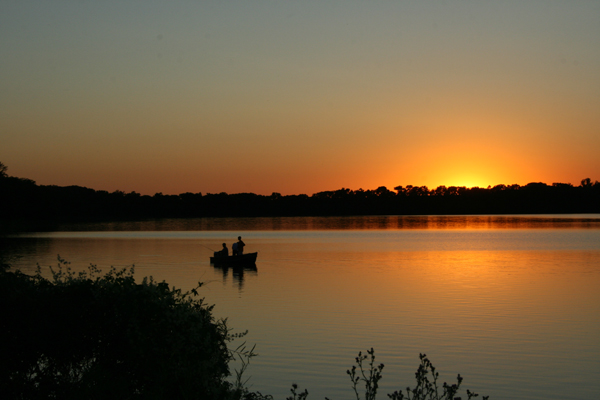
22,199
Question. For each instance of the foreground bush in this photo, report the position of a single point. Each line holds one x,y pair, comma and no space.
93,336
368,377
426,387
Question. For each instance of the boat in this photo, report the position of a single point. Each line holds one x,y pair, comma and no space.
231,261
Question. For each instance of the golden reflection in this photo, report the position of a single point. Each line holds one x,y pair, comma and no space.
373,222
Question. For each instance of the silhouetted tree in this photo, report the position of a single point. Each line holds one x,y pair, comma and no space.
587,182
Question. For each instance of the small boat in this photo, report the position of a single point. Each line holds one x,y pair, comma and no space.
244,259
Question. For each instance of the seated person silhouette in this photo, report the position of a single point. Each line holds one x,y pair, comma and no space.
224,251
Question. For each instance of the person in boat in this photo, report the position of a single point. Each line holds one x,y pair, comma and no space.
224,251
240,246
234,249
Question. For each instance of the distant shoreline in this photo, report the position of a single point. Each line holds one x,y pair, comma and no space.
25,202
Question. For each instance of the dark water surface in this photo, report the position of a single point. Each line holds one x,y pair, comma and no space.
512,303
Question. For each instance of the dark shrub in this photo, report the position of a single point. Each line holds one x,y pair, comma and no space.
99,336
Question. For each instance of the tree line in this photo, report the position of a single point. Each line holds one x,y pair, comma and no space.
23,199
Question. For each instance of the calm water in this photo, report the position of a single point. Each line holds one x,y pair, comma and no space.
512,303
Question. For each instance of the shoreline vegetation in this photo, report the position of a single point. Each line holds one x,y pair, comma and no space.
23,200
105,336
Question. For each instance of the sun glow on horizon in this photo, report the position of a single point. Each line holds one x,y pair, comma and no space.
467,170
468,182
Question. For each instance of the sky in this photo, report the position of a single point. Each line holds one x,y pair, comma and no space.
298,97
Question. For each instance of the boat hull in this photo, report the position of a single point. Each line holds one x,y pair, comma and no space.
244,259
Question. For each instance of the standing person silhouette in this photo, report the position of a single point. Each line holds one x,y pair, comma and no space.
240,246
234,249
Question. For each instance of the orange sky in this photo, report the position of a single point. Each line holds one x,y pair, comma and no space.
299,97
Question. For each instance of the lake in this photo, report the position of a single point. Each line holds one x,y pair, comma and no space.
512,303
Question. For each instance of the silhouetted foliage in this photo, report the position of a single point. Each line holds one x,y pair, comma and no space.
368,376
93,336
21,199
3,169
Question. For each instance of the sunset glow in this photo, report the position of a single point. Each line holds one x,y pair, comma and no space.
299,97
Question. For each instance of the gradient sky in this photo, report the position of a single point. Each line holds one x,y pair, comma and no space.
299,96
